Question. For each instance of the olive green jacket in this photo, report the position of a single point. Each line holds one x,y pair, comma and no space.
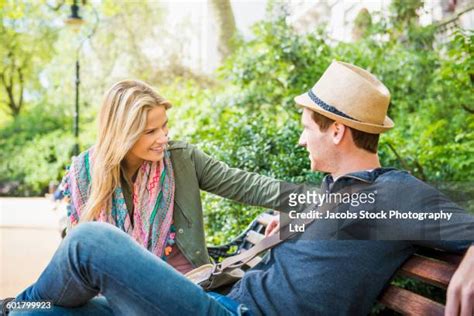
195,171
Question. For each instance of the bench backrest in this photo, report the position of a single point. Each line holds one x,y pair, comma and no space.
428,266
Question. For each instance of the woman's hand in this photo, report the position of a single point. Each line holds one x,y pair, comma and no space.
460,294
273,226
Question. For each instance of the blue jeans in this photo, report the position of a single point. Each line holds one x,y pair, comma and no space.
100,258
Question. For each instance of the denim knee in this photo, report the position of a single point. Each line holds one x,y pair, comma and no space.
93,234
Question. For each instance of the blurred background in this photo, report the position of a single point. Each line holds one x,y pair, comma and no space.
231,69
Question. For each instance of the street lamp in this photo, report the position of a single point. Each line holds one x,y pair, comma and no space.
75,21
74,18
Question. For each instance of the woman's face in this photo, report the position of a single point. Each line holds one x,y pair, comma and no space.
151,144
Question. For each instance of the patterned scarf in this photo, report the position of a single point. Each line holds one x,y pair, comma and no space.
153,200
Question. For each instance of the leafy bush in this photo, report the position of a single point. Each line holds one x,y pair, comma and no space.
34,150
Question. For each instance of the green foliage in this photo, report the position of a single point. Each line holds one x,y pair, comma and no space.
41,161
36,146
404,12
362,24
34,150
26,45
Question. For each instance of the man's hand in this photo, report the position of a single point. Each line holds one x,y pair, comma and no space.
273,226
460,294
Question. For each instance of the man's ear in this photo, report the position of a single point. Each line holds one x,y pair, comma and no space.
338,131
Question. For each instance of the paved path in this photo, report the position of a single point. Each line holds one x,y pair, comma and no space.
29,235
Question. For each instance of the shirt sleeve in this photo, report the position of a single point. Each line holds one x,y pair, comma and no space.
454,234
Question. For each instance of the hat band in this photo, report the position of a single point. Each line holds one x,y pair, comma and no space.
328,107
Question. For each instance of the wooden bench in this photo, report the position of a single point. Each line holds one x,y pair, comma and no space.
428,266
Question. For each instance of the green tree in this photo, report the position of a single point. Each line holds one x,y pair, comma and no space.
362,24
26,44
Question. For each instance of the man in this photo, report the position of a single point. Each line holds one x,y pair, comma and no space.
312,274
342,139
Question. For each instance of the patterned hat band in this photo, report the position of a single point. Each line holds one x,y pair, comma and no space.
328,107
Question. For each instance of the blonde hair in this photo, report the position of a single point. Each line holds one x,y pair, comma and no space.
122,119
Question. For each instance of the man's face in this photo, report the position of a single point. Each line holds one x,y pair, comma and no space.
318,144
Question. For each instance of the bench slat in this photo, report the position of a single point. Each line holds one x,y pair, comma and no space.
408,303
440,255
437,273
254,237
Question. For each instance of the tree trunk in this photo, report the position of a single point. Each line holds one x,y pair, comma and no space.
226,28
11,87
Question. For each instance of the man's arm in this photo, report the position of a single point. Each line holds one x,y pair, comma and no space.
457,234
460,294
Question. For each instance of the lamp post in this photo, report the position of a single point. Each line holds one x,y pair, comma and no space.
75,20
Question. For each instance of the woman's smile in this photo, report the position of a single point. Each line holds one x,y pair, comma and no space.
158,149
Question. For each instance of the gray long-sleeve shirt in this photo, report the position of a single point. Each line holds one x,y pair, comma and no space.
314,275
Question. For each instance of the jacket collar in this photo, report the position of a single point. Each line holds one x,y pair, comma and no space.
367,176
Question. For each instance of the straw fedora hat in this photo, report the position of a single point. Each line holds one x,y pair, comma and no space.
352,96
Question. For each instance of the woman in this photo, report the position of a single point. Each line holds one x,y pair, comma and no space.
148,186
